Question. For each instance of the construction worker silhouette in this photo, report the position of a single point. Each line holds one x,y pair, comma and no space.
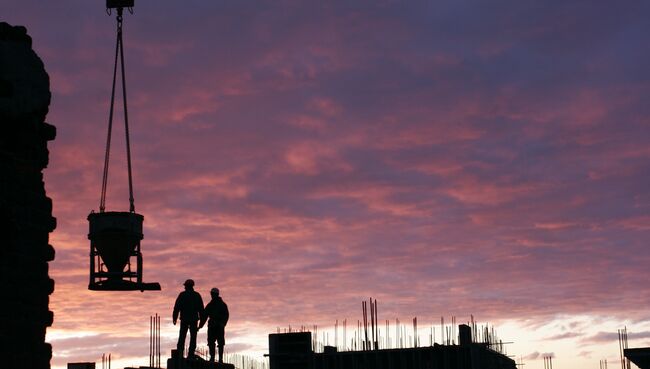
190,306
217,311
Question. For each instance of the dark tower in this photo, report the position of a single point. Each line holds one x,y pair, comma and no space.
25,211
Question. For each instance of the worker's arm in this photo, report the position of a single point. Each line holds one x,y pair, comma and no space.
176,309
199,300
226,314
204,316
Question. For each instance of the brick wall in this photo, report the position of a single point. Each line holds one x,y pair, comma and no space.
25,210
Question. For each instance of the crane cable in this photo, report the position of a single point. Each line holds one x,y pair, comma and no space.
119,51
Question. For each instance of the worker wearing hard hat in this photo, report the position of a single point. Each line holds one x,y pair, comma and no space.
217,311
190,306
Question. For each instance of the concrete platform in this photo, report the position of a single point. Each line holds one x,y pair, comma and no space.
196,363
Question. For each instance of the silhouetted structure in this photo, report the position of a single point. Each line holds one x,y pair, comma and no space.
217,311
115,236
25,211
294,351
639,356
154,341
114,239
176,362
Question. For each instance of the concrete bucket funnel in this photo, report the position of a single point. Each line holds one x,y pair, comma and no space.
115,235
114,238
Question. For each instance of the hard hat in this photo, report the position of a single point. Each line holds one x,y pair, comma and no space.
189,282
214,290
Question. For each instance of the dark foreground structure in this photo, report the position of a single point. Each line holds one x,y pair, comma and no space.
25,211
176,361
294,351
639,356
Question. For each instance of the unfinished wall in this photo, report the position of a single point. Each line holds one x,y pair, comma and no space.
25,211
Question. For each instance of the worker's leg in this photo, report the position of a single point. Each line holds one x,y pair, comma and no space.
180,346
221,341
193,329
211,339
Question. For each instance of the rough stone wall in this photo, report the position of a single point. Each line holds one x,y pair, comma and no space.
25,211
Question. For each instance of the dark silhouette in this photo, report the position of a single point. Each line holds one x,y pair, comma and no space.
217,312
114,240
295,350
190,306
639,356
25,210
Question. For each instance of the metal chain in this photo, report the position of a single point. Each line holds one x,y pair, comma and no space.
119,49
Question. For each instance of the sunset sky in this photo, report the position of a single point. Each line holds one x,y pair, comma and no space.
445,157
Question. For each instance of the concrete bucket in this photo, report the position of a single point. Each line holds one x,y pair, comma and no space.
115,237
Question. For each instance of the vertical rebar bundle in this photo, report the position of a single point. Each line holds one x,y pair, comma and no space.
548,362
364,310
622,346
246,362
154,341
369,337
106,361
415,332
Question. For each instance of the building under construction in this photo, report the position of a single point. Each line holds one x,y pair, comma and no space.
295,350
639,356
